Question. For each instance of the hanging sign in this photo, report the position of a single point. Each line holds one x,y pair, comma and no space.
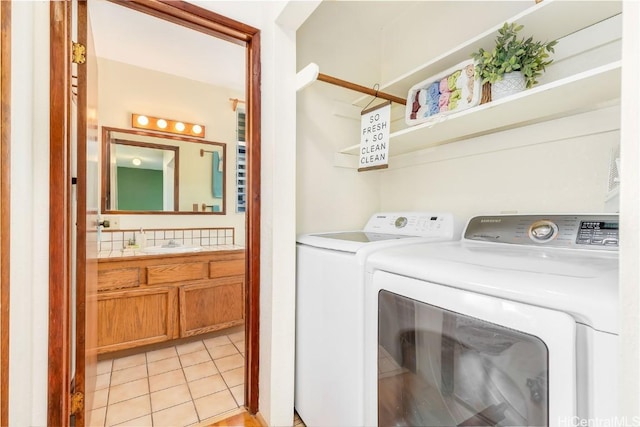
374,137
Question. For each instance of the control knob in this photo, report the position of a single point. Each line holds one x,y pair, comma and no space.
401,221
542,231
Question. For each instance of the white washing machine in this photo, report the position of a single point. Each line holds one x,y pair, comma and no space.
513,325
329,310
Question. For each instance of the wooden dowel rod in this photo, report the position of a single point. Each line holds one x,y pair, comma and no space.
358,88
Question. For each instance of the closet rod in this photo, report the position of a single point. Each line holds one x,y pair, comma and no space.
358,88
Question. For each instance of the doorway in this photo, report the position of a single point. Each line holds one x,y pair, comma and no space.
209,23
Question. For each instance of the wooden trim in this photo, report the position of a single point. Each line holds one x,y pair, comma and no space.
5,199
81,268
202,20
252,332
59,296
194,17
208,22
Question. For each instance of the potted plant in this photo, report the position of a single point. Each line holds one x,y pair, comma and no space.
514,62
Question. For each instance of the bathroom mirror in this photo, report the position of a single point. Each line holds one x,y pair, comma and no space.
150,172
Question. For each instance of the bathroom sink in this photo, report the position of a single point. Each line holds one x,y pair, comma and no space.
171,249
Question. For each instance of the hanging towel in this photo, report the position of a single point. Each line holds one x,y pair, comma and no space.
216,175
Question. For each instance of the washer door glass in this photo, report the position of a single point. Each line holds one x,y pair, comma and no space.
441,368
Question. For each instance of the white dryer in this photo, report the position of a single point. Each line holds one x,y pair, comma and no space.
329,310
513,325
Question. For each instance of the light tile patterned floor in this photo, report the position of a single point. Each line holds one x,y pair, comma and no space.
180,385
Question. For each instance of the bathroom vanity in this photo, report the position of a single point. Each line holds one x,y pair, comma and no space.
147,299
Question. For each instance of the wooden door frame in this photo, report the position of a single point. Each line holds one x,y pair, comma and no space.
5,197
198,19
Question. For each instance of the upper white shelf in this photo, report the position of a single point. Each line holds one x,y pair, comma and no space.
547,20
580,92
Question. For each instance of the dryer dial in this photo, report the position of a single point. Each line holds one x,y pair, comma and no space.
542,231
401,221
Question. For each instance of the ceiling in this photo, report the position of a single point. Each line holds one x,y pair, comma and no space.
124,35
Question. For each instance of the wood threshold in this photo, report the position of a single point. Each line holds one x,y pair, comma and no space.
5,197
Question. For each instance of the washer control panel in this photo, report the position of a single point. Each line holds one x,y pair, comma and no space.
566,231
422,224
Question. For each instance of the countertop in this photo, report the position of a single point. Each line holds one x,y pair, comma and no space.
125,253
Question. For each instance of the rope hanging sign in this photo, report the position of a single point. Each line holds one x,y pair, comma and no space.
374,137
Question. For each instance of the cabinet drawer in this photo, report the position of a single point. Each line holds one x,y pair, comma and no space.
226,268
211,306
118,279
176,272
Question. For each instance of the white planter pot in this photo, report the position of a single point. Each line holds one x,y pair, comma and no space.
511,83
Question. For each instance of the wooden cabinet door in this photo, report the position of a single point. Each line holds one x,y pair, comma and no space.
206,307
136,317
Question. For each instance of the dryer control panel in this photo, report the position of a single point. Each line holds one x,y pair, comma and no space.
566,231
421,224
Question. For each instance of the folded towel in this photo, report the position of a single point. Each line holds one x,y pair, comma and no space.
422,112
444,85
444,108
452,79
434,108
444,100
434,90
461,85
433,98
422,97
470,71
454,99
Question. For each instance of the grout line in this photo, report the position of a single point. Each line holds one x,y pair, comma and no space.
148,394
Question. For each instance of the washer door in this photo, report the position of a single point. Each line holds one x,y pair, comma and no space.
447,357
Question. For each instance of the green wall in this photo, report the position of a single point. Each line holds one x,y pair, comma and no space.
139,189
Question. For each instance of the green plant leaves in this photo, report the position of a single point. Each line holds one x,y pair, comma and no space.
512,54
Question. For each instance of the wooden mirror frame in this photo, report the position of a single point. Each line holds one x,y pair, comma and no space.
105,176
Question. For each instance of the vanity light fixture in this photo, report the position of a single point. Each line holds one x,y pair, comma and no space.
136,161
141,121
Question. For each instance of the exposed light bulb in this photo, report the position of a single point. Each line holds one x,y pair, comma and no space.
136,161
161,123
143,120
179,126
197,129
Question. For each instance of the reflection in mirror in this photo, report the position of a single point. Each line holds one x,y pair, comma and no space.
150,172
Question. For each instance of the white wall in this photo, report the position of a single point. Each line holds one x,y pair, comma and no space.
29,214
125,89
389,41
277,21
550,167
629,370
428,29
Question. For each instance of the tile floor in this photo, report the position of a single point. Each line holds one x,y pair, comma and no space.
180,385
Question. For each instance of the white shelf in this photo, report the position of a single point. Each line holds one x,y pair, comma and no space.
581,92
547,20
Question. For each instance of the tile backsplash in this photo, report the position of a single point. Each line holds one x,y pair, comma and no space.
119,239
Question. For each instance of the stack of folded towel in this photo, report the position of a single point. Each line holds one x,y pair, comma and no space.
451,93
